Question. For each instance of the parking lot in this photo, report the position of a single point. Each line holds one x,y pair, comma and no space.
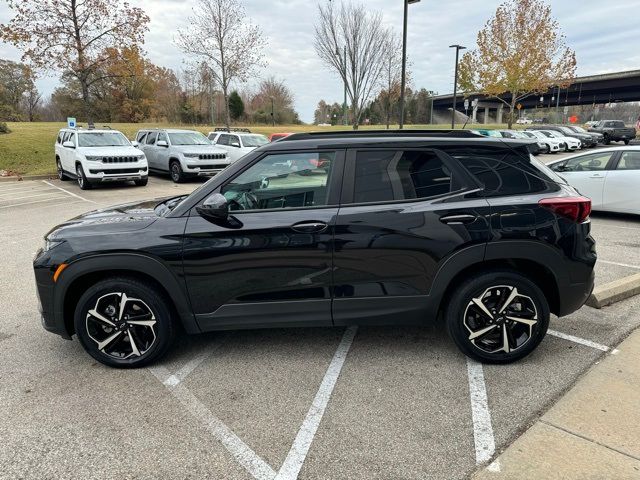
298,403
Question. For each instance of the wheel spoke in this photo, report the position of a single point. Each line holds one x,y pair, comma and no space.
144,323
102,318
505,340
123,303
108,341
478,303
144,316
526,321
134,347
481,332
510,298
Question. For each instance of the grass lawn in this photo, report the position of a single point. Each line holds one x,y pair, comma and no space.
28,149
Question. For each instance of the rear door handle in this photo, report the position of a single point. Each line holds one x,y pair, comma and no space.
309,227
458,219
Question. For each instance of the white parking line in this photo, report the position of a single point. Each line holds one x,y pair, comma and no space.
250,460
31,203
21,197
482,430
68,192
24,190
582,341
296,456
192,364
628,265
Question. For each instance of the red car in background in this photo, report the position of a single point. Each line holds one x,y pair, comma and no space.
277,136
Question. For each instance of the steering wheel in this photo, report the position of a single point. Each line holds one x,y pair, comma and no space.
245,201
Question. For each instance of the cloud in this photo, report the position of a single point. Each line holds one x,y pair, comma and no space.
602,33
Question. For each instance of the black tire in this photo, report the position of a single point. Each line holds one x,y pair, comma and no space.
626,142
464,318
142,182
83,183
150,341
548,149
61,175
606,140
175,171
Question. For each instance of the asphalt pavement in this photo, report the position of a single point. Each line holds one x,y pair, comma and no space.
298,403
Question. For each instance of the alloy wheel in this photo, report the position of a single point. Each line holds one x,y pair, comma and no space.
501,319
122,327
59,169
175,172
80,176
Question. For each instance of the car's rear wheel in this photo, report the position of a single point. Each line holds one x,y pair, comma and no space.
497,317
83,183
61,175
124,323
606,140
626,142
175,170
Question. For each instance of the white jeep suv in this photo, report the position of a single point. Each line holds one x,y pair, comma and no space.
181,153
97,156
237,143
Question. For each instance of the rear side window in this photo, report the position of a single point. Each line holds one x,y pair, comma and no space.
504,171
141,137
60,135
399,175
629,161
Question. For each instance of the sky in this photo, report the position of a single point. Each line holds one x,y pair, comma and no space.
604,35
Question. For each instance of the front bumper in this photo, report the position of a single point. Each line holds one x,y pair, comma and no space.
205,169
120,174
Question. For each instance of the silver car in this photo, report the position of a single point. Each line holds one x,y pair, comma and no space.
181,153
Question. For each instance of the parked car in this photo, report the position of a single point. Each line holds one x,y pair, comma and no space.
591,123
535,147
586,139
553,145
524,121
237,143
609,177
181,153
399,227
570,143
487,133
598,137
277,136
98,156
614,131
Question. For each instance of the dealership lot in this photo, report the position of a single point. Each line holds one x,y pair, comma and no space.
324,403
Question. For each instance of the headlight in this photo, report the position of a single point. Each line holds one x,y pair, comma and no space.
51,244
141,157
91,158
192,155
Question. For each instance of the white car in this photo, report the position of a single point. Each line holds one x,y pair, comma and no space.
553,145
610,177
571,143
237,143
524,121
98,156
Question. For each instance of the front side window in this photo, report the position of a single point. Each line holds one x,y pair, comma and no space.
279,181
102,139
59,139
587,163
223,139
382,176
151,138
162,137
629,161
141,137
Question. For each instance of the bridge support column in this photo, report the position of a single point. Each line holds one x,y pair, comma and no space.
486,115
499,114
474,115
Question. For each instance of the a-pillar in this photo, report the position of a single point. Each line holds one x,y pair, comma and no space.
499,114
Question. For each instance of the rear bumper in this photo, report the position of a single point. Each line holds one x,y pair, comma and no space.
574,295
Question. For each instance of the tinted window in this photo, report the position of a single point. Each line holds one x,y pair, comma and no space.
223,139
629,161
290,180
395,175
151,138
141,137
59,139
503,171
66,136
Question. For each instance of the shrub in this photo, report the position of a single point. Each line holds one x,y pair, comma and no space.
4,128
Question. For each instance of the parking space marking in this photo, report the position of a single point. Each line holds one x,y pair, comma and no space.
31,203
243,454
22,191
481,416
192,364
295,458
21,197
68,192
619,264
582,341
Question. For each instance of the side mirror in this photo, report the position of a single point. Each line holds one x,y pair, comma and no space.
161,143
68,144
135,144
215,207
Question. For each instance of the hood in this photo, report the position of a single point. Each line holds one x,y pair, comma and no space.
120,218
128,151
199,149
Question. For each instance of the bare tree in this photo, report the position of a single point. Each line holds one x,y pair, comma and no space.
365,39
391,75
73,35
32,101
220,35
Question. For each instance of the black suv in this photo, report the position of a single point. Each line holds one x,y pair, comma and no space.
324,229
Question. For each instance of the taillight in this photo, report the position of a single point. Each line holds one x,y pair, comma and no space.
577,209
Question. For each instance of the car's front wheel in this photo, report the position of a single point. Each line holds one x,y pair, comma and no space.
497,317
175,170
83,183
124,323
61,175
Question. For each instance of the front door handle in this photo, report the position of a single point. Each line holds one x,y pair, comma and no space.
458,219
597,175
309,227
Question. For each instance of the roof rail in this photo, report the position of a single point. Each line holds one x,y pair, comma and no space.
382,133
225,129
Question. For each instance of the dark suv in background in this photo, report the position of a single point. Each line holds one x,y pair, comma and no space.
322,229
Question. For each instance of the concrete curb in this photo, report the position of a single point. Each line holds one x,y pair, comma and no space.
615,291
28,177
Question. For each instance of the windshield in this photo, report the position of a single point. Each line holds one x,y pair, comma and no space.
553,133
102,139
566,130
254,140
188,138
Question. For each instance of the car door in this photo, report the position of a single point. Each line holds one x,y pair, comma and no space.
151,150
587,174
69,153
223,143
161,154
270,263
403,212
235,148
622,184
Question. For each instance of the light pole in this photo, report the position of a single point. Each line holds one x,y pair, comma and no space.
344,104
404,60
455,84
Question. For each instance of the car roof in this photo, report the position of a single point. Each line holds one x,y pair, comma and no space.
93,130
634,148
242,134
